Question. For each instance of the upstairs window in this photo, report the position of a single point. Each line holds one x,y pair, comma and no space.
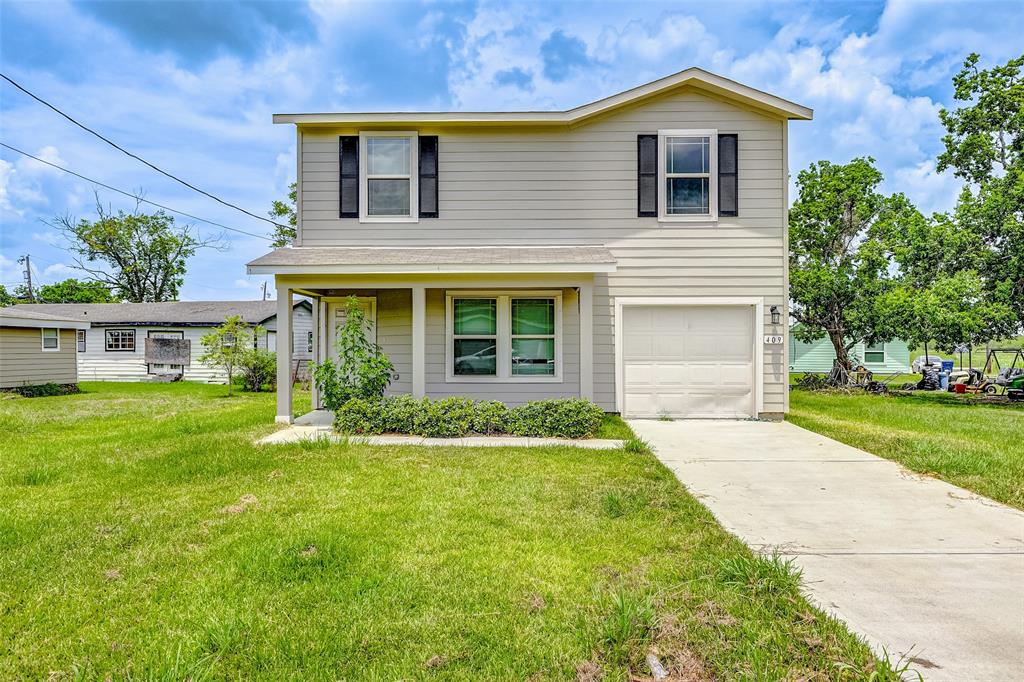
51,339
388,186
689,162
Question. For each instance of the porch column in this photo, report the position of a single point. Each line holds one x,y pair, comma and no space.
587,340
419,341
314,394
284,355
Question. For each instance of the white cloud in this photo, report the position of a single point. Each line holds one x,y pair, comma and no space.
60,271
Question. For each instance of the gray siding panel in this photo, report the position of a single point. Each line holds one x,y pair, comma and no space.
578,185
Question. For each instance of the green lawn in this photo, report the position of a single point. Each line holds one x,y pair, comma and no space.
978,447
143,535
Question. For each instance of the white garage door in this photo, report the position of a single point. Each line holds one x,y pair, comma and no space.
688,361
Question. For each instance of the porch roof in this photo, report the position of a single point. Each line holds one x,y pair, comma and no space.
326,260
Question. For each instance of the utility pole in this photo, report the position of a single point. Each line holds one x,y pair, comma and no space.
264,290
26,259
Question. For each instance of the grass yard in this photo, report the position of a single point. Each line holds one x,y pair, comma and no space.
144,536
978,447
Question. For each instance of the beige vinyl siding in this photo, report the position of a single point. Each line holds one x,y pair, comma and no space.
23,362
566,185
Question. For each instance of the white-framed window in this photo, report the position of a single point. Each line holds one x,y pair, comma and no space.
688,166
503,336
80,340
120,340
388,179
309,342
874,353
51,339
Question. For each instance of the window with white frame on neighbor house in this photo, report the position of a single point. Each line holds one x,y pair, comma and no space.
504,336
689,161
51,339
389,180
120,340
874,353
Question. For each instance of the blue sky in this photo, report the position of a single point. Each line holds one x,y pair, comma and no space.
191,86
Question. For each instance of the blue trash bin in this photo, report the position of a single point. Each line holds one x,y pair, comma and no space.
947,366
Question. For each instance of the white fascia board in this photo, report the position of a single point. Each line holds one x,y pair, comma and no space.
414,269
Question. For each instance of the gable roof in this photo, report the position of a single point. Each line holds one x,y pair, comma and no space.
13,317
694,77
170,313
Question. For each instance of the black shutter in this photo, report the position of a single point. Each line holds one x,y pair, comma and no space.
728,175
428,176
647,176
348,177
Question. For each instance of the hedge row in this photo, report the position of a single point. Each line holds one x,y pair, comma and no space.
457,417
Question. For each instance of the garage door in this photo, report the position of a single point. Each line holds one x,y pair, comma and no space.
688,361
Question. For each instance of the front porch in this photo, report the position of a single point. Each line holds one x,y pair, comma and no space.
512,338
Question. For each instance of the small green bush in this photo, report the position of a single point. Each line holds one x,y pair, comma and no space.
45,390
361,416
455,417
490,417
558,417
257,368
446,418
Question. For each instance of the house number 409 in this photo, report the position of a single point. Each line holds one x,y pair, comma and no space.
772,340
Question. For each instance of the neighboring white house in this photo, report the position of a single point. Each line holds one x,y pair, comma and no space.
631,251
114,347
37,348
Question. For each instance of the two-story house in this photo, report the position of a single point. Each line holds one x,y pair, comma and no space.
631,251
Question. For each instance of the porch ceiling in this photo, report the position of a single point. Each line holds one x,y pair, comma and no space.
325,260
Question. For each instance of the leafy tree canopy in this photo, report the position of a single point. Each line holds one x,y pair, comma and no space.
141,257
6,298
228,345
75,291
984,145
284,235
839,258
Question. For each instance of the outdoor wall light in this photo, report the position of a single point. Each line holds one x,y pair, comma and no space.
775,314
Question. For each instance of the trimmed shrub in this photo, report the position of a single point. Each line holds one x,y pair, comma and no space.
455,417
360,416
490,417
446,418
400,413
558,417
45,390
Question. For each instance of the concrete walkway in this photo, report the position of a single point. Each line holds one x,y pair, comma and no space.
909,562
319,424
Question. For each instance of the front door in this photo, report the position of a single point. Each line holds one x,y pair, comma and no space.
336,318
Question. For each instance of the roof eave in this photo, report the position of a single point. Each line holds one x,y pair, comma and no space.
431,269
693,76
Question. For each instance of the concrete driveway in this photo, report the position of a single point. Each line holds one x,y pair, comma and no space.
909,562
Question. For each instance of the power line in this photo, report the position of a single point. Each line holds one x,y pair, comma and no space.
133,196
137,157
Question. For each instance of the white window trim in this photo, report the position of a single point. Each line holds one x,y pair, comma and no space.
712,214
83,339
42,339
504,338
414,177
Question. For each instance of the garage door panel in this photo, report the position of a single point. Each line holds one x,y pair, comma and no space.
688,361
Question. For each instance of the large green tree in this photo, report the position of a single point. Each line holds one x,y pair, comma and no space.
284,234
75,291
839,257
6,298
141,257
984,145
